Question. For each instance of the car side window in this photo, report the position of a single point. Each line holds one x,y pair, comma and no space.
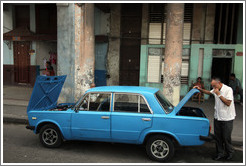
143,106
130,103
84,104
99,102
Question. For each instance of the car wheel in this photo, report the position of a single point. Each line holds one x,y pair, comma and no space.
50,136
160,148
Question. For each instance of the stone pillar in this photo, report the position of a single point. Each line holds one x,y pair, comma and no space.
84,48
210,18
113,57
145,24
173,52
75,45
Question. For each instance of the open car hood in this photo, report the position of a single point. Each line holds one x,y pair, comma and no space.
46,92
185,99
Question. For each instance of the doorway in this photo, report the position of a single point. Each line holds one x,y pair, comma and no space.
22,62
131,20
221,67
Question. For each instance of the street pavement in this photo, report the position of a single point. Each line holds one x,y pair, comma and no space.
22,146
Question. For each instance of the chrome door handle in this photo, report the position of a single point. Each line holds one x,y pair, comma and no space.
105,117
146,119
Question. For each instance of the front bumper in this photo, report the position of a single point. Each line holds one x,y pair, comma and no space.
30,127
208,138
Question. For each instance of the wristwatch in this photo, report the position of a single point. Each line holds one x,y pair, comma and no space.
219,95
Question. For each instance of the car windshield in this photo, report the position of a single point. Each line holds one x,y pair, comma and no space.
168,107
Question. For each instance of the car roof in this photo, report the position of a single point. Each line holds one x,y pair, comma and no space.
124,89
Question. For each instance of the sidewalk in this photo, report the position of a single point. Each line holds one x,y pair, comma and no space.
15,102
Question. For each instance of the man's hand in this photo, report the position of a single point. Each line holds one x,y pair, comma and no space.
216,91
202,90
197,87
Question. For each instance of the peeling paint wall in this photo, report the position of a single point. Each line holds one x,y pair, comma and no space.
113,58
173,52
66,50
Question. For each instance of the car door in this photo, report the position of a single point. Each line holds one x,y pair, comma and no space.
131,115
91,120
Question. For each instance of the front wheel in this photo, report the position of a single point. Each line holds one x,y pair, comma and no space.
50,136
160,148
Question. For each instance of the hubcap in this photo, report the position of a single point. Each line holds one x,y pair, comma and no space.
159,149
50,136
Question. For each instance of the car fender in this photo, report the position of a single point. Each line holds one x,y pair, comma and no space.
144,134
49,121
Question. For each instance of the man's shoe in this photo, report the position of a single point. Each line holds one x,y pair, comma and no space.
218,157
229,156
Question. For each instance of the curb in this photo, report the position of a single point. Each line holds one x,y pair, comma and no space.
15,120
25,122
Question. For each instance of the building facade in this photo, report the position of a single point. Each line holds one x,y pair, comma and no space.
119,44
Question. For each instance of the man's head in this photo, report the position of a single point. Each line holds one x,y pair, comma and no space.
216,83
199,79
48,64
92,85
232,76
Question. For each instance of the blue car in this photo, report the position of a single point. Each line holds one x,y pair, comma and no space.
123,114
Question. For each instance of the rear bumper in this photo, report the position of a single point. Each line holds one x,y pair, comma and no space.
30,127
208,138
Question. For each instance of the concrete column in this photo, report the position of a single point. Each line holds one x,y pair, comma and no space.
173,52
113,57
75,46
85,61
145,23
210,18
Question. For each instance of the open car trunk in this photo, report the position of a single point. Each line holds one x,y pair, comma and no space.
181,110
191,111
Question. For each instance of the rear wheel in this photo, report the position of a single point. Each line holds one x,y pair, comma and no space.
160,148
50,136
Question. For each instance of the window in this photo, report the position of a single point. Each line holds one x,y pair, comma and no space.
96,102
226,21
156,65
84,103
168,107
157,23
99,102
130,103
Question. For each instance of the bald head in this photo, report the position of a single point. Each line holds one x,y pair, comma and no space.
216,83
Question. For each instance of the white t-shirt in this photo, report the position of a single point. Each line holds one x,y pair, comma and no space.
222,111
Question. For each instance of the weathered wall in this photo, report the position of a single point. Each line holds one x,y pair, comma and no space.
65,49
203,23
143,81
102,22
113,56
173,52
240,25
84,48
207,62
145,24
42,52
7,26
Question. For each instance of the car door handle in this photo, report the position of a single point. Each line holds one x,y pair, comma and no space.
105,117
146,119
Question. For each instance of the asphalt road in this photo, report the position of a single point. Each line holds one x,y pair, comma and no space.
22,146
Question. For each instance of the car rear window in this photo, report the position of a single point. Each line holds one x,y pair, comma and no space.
167,106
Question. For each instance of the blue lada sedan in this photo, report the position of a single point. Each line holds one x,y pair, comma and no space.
123,114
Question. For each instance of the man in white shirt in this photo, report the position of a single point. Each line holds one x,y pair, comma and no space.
223,117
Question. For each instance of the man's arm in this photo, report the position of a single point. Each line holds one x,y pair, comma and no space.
222,98
203,90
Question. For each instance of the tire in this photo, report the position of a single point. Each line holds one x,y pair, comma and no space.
160,148
50,136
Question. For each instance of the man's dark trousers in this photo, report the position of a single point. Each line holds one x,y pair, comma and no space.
222,131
